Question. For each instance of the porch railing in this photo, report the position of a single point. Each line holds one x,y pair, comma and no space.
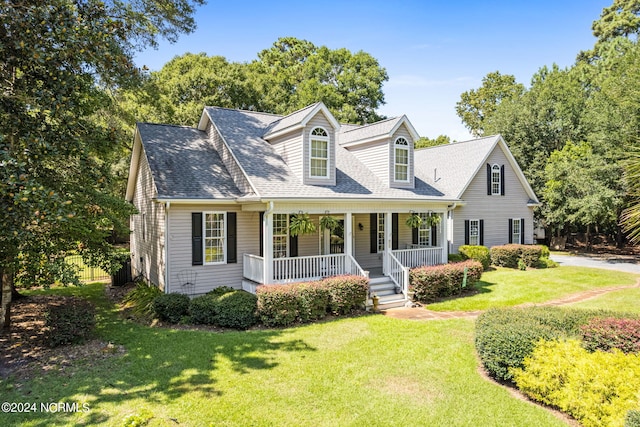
253,267
398,273
418,257
294,269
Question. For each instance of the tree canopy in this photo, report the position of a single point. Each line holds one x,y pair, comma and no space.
60,60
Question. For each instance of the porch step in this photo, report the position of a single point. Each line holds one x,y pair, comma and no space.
385,289
391,301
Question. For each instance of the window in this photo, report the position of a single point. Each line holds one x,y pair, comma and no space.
495,180
474,232
380,232
214,237
424,231
280,235
319,154
401,160
516,230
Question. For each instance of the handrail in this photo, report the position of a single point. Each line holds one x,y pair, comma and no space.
398,273
355,266
418,257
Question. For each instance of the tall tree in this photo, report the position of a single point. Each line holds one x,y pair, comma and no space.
477,105
425,142
59,59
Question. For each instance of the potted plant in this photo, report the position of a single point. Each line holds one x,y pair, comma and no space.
301,223
329,222
414,220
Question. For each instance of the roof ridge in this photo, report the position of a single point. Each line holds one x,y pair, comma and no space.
295,112
167,125
457,143
243,110
370,124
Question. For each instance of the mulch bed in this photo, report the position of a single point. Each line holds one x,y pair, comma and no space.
23,351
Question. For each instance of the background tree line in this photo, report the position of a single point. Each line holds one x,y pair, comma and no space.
574,130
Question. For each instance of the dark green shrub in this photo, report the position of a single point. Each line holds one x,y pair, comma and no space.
506,336
432,282
69,322
141,298
605,334
236,309
505,255
346,293
278,305
171,307
203,310
221,290
530,255
313,301
478,253
633,418
455,258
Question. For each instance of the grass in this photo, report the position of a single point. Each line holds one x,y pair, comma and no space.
625,300
505,287
366,371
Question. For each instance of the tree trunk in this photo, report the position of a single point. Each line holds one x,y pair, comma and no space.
5,299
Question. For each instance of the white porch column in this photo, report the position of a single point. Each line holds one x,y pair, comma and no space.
387,241
267,246
348,233
444,240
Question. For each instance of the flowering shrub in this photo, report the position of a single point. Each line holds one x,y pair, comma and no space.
609,333
432,282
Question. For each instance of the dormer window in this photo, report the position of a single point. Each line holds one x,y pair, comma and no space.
495,180
319,153
401,160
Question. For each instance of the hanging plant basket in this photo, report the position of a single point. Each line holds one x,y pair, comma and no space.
433,219
414,221
301,224
329,222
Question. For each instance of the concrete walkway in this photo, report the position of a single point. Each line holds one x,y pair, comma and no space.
609,263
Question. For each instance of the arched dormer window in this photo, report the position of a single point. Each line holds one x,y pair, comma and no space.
319,153
401,160
496,178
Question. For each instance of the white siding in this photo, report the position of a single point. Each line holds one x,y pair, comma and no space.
375,156
148,238
289,147
494,210
319,120
208,277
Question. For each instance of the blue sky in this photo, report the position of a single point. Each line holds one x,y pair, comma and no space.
432,50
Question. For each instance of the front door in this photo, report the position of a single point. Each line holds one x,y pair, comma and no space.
333,240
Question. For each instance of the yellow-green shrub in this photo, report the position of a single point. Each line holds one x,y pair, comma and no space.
597,389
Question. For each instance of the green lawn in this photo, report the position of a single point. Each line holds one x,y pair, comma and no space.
505,287
365,371
627,300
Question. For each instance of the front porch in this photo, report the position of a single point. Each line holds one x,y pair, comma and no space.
379,246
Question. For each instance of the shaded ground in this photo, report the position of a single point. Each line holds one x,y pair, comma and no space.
23,352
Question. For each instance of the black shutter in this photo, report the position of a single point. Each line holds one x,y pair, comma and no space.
196,238
232,252
434,235
394,231
293,246
510,240
522,230
261,234
481,232
502,180
466,231
488,179
414,235
373,233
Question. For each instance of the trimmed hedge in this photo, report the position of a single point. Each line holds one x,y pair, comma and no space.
171,307
633,418
69,322
284,305
597,389
510,255
433,282
236,309
606,334
506,336
478,253
202,310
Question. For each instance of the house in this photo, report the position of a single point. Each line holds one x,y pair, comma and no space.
215,202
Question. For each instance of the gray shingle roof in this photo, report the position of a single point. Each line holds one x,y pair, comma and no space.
383,127
272,177
184,164
290,120
451,167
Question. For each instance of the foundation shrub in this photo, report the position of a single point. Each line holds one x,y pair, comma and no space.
171,308
597,389
606,334
505,255
278,305
478,253
346,293
221,290
433,282
202,310
140,299
236,309
313,301
530,255
69,322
